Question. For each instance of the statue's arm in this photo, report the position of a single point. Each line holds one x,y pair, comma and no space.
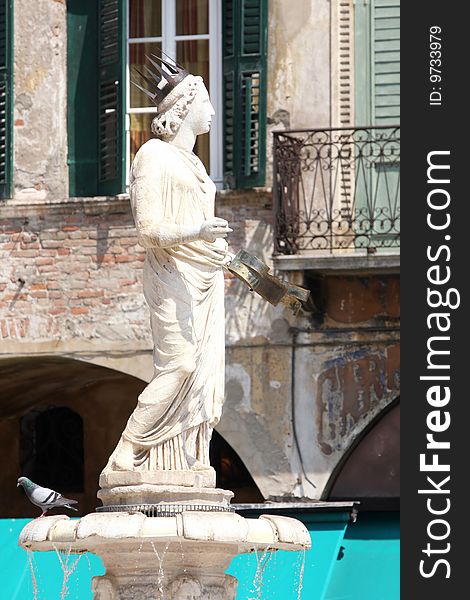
165,235
155,232
153,229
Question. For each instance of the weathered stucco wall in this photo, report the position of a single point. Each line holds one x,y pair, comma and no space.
299,62
299,390
299,67
300,394
40,99
71,285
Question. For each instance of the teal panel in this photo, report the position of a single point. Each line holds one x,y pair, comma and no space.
368,565
16,582
282,576
374,542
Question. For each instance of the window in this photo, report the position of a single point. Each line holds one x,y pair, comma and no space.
6,91
189,31
108,119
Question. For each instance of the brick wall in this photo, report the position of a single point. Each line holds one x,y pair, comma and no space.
70,269
73,269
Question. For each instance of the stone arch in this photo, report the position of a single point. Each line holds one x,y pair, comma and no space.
370,467
102,397
133,357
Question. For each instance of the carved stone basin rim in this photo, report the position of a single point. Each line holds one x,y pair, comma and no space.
97,530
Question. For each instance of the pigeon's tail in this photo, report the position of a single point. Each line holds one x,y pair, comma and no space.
71,507
66,502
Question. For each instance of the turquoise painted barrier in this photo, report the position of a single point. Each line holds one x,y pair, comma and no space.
368,564
16,581
347,562
286,572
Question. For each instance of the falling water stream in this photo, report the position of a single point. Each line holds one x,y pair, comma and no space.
301,576
137,562
266,571
33,575
68,566
160,574
262,562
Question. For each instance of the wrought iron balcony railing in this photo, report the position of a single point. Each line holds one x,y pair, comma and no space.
336,189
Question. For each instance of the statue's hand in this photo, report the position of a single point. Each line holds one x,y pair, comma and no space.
214,228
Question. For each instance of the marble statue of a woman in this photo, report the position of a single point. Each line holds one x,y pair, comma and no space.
172,200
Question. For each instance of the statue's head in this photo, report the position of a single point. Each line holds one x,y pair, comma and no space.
179,96
188,102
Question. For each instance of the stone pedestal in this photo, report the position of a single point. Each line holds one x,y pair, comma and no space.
162,493
196,479
183,557
163,501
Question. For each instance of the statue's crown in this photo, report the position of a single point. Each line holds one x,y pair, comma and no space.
160,82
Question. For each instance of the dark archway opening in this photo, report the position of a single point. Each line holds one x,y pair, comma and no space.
51,448
232,473
59,421
370,472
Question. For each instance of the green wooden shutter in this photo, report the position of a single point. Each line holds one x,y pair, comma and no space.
111,116
377,103
6,90
82,90
230,32
386,62
96,66
244,91
377,62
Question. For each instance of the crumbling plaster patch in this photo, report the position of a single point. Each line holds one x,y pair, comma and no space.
40,113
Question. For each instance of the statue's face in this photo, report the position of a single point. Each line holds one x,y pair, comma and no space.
200,113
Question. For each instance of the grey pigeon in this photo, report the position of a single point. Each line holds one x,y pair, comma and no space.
44,497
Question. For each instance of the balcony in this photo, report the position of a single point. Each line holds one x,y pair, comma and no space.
336,195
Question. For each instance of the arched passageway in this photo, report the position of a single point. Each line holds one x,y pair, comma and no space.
371,470
60,419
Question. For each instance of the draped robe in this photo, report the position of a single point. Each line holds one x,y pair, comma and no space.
184,289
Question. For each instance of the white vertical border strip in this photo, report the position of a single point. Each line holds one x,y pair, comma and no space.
215,91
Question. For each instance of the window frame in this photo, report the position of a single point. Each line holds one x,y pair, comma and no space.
168,39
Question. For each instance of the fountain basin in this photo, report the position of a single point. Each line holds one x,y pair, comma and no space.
178,557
